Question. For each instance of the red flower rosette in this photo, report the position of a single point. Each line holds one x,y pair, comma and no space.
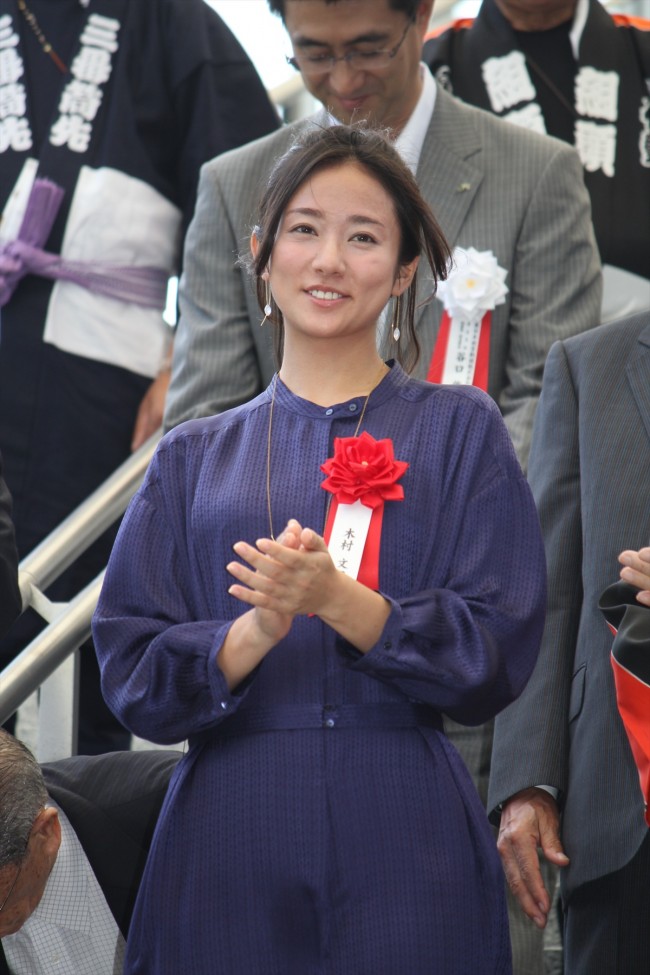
364,469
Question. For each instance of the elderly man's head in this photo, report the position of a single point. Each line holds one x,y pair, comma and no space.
360,58
30,834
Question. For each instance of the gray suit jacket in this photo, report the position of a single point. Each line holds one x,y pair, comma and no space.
590,475
491,185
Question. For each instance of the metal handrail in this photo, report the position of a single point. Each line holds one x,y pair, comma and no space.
86,523
48,650
69,624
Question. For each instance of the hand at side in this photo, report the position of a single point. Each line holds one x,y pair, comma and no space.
530,820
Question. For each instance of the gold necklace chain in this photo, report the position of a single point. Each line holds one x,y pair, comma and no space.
42,39
268,443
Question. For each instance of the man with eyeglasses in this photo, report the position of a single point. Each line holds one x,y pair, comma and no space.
74,837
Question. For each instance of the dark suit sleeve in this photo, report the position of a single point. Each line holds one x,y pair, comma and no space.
630,622
113,802
531,736
10,602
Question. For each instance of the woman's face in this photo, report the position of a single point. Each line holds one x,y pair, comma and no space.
334,263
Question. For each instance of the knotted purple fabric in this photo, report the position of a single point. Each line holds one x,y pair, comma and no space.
139,285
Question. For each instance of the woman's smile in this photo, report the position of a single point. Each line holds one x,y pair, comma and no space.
339,235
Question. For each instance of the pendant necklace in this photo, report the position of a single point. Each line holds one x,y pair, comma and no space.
40,36
268,443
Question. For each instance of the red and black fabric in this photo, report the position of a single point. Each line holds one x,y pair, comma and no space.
630,624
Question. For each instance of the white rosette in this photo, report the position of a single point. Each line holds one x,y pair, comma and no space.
474,287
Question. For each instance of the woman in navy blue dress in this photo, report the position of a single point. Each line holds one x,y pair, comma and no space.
301,587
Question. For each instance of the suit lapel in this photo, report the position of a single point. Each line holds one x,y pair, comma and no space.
449,172
638,376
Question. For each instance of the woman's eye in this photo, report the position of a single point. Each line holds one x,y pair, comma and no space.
302,228
364,239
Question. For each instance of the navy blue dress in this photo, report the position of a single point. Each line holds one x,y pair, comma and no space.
321,822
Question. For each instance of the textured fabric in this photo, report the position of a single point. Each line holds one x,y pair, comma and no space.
606,921
609,118
9,592
330,850
72,930
589,471
491,186
181,90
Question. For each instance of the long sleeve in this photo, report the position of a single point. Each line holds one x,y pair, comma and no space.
158,656
531,743
468,647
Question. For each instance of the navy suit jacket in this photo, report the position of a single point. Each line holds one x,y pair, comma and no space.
112,802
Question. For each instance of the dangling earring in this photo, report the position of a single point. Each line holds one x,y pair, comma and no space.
396,315
267,307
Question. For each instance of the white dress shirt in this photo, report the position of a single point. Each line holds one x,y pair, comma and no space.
72,931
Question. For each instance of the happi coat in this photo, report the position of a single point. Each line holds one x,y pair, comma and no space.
153,89
585,82
321,822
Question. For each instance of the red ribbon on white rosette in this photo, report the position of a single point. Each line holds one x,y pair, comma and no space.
474,287
362,475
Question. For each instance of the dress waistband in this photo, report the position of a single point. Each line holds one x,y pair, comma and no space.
329,716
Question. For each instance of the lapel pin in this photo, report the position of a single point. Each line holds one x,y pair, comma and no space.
463,187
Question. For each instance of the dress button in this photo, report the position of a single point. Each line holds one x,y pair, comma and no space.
329,412
353,407
224,705
329,723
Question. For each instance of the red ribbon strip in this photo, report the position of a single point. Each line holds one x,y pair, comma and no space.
481,366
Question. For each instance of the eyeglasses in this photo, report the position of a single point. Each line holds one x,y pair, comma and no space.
13,884
317,64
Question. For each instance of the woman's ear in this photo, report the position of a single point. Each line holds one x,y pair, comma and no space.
255,246
405,275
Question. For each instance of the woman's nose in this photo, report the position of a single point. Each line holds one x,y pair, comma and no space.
329,255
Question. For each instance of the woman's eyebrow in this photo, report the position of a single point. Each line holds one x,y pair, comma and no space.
355,218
